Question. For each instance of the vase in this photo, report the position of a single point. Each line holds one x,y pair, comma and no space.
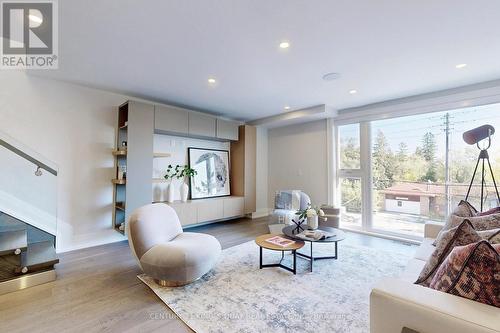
184,191
170,193
312,222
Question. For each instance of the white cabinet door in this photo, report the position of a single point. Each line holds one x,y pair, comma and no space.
227,129
202,125
187,212
171,120
210,210
234,206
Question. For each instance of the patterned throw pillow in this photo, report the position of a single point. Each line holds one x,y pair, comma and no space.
471,271
495,210
492,236
283,200
464,209
462,235
480,223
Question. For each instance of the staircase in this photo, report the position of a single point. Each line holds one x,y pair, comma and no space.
27,218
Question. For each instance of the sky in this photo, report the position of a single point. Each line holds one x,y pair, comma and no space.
410,130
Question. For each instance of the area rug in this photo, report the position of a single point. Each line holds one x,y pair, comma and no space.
237,296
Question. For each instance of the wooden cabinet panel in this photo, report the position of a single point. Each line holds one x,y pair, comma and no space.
172,120
209,210
227,129
234,206
202,125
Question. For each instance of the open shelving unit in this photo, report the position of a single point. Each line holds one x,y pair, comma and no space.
139,122
119,185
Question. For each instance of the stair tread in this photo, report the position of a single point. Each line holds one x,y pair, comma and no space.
40,253
12,240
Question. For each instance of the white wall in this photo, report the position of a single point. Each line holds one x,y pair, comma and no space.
298,160
74,127
262,179
178,147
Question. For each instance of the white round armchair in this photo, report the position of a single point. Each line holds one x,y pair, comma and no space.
166,253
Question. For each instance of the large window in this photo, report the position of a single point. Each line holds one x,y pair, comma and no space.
417,168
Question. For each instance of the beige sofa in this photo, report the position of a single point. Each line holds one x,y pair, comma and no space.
397,303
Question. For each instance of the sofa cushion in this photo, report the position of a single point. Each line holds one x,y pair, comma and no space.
425,249
471,271
462,235
412,270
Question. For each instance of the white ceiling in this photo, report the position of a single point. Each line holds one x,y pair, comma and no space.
166,50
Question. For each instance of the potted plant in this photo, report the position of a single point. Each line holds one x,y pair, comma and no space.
185,173
310,213
170,174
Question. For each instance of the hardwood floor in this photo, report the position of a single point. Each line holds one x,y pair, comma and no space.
97,289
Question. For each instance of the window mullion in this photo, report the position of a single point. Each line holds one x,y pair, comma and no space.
366,174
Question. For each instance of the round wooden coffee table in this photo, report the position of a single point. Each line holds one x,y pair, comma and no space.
263,244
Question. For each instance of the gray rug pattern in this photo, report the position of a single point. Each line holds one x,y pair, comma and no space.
239,297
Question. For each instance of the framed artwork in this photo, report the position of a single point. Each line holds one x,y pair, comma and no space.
212,178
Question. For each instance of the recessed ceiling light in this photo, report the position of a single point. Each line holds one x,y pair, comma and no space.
331,76
211,80
286,107
459,66
284,45
353,91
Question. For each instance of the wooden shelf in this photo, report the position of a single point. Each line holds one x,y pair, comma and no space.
119,152
120,206
159,155
119,181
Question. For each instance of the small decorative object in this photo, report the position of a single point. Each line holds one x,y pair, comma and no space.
311,213
170,174
212,173
124,144
185,173
122,172
299,223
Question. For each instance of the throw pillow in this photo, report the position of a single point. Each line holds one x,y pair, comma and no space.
462,235
471,271
492,236
283,200
495,210
464,209
295,200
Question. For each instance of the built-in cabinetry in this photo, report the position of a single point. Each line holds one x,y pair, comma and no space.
174,120
195,212
137,124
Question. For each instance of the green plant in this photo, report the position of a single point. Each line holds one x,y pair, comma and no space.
179,172
172,172
186,171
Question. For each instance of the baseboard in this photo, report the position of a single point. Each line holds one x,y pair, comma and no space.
263,212
89,240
